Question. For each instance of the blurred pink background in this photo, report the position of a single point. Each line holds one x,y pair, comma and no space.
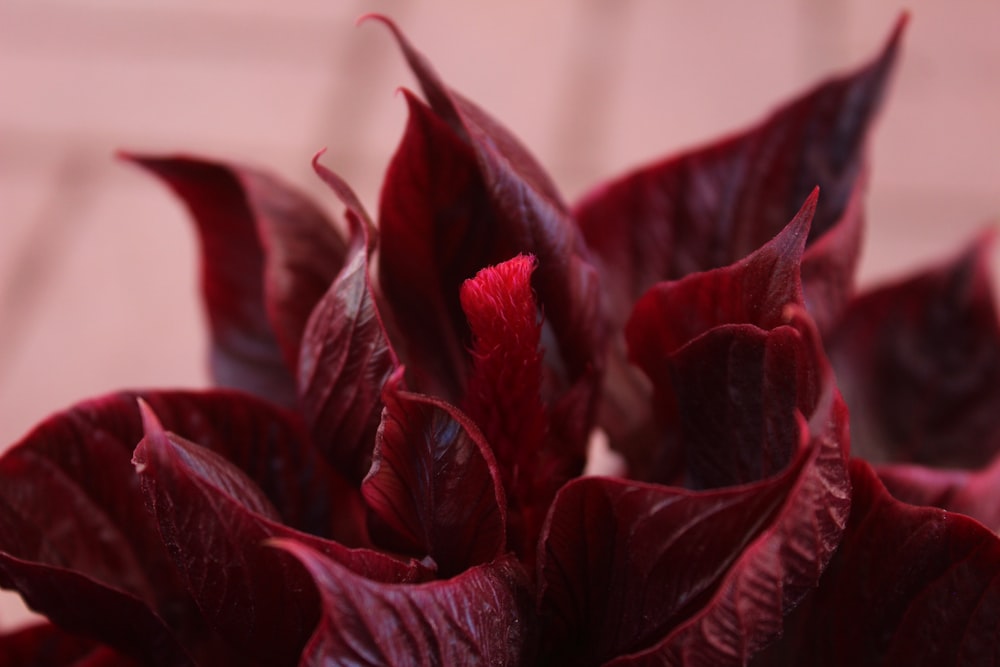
97,268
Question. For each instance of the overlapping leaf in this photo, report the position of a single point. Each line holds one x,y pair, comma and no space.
346,359
214,519
908,586
76,540
712,206
726,373
481,617
633,573
434,487
268,255
462,194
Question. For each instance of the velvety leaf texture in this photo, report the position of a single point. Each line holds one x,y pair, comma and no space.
268,255
908,586
215,520
919,364
346,359
493,201
434,487
481,617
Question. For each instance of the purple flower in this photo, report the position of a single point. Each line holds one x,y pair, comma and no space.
393,473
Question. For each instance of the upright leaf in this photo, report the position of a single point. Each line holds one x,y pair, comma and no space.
475,196
726,373
434,487
712,206
267,256
346,360
919,364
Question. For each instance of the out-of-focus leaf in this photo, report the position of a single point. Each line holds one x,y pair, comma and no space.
710,207
268,255
919,365
975,493
45,645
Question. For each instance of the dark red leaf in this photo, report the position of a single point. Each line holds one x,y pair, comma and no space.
47,646
919,365
345,361
462,194
214,520
726,564
725,388
434,486
975,493
754,290
268,255
658,575
908,586
712,206
484,616
78,544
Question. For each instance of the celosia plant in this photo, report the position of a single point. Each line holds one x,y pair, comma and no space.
393,475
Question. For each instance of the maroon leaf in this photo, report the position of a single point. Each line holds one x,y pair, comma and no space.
975,493
481,617
658,575
908,586
345,361
725,389
46,645
461,194
919,365
214,520
270,446
77,543
720,568
434,487
709,207
754,290
268,255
